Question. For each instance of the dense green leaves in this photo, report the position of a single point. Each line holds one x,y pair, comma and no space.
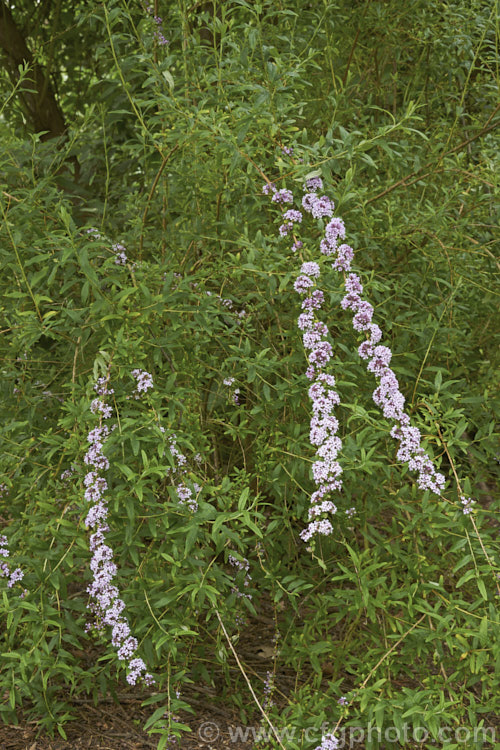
166,150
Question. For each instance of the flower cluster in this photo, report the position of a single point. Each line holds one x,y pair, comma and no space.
235,392
94,234
121,255
292,216
158,35
185,494
226,302
387,396
467,503
106,605
67,474
243,565
279,196
328,742
5,571
268,691
144,381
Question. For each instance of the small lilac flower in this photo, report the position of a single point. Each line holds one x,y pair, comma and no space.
268,188
388,396
322,207
330,449
293,216
268,689
308,201
310,372
323,527
285,228
137,666
302,284
144,380
375,333
380,360
98,513
120,632
310,339
96,458
127,649
287,150
242,565
363,317
353,284
101,387
121,256
352,300
325,507
345,254
365,349
321,354
467,503
5,571
326,378
322,429
282,196
315,301
17,575
313,184
328,246
158,35
98,406
98,434
296,246
326,471
185,495
334,229
305,320
310,269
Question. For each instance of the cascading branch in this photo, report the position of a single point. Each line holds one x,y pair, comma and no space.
106,604
387,395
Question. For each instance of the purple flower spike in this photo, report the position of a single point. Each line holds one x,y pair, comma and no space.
105,605
387,395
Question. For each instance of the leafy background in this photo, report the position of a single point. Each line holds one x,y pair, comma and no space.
164,150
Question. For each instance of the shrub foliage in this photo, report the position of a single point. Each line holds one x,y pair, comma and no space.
138,238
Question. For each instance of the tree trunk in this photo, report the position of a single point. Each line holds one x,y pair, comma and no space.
39,102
